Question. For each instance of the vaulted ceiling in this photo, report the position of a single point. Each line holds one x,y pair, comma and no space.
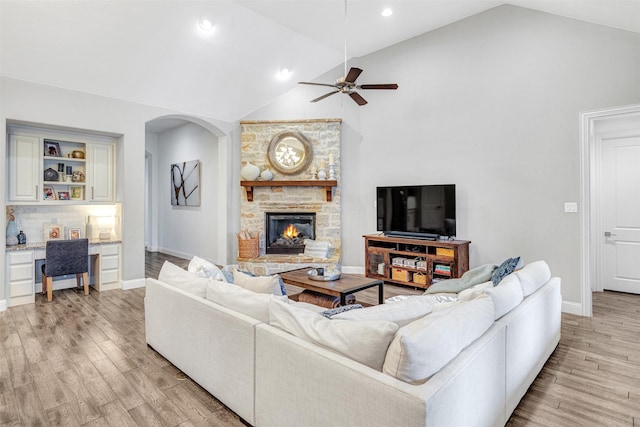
154,53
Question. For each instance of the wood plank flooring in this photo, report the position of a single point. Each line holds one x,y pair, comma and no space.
84,361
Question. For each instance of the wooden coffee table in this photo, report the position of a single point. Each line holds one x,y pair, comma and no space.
346,284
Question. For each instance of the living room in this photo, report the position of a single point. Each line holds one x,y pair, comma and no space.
491,103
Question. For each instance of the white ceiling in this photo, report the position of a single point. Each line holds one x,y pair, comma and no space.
153,53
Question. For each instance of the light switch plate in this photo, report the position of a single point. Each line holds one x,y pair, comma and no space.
570,207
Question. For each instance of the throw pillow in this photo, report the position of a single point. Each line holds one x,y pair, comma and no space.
532,276
316,249
474,291
506,296
204,268
252,304
229,276
364,342
506,268
472,277
173,275
261,284
423,347
333,311
400,313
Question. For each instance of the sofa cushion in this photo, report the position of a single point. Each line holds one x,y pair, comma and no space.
365,342
472,277
474,291
173,275
252,304
507,267
506,296
423,347
261,284
400,312
204,268
532,276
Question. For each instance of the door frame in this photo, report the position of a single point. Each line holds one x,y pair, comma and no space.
589,167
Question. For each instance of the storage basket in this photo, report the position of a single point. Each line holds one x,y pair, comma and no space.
248,248
400,274
398,261
421,265
444,251
420,278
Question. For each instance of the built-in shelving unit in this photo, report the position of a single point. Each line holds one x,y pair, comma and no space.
326,184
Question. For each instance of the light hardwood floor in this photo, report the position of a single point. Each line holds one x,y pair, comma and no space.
83,361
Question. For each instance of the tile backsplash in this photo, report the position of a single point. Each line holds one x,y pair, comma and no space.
32,219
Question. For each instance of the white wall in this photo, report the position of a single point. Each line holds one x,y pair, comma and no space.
491,104
188,230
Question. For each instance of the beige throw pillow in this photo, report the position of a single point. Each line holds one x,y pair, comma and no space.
260,284
173,275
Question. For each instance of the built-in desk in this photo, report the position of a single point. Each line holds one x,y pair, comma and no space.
24,274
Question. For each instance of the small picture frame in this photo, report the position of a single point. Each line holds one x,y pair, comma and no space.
52,149
73,233
53,232
76,193
63,195
48,193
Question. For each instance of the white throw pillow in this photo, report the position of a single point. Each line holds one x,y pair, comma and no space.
204,268
532,276
255,305
400,312
173,275
365,342
506,296
425,346
260,284
316,249
474,291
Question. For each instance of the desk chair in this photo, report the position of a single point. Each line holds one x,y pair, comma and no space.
65,257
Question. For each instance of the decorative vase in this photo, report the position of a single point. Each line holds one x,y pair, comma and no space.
250,172
266,175
12,233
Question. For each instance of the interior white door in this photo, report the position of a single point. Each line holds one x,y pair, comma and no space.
619,205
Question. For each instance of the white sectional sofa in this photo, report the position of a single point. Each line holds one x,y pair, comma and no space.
270,377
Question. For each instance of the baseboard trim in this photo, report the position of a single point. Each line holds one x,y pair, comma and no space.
3,304
572,308
132,284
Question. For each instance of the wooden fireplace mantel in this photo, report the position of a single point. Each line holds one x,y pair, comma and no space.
327,184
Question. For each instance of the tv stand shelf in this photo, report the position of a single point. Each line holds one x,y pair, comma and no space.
426,261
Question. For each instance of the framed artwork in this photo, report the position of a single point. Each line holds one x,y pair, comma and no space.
49,194
76,193
52,148
53,232
185,183
63,195
73,233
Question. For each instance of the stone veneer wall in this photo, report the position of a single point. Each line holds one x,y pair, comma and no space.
324,136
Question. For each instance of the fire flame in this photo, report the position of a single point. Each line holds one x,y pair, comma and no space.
290,232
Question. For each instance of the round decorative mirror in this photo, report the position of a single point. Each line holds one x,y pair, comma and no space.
290,152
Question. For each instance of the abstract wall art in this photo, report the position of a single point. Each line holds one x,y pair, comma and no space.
185,183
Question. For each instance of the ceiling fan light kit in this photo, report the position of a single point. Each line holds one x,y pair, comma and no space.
347,84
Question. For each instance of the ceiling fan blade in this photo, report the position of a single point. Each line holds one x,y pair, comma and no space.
392,86
316,84
320,98
356,97
353,74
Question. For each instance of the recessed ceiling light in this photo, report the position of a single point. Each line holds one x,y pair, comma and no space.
386,12
205,23
283,74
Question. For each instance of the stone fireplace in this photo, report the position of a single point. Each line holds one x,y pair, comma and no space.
324,137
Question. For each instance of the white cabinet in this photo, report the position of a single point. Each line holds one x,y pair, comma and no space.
24,168
20,277
100,182
109,267
51,168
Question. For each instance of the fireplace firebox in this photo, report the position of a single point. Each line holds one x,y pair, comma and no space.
286,231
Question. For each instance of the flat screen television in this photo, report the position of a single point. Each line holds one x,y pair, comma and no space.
421,211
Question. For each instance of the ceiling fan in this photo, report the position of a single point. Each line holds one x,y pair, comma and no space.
347,84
